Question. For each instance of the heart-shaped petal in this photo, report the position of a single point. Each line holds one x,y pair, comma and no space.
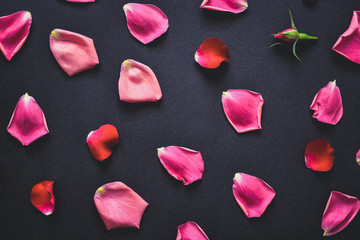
74,52
138,83
119,206
102,140
28,121
358,157
319,155
339,212
14,30
145,22
190,231
243,109
233,6
212,53
182,163
42,197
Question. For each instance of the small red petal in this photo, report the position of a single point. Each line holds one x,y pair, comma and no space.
233,6
212,53
319,155
42,197
190,231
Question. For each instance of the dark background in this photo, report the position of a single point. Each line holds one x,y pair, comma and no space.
190,115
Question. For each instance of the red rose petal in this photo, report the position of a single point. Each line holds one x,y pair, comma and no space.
212,53
233,6
42,197
319,155
190,231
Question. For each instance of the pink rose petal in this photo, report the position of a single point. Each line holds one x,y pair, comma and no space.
28,122
190,231
358,157
14,30
74,52
212,53
339,212
233,6
138,83
243,109
145,22
327,104
252,194
182,163
119,206
42,197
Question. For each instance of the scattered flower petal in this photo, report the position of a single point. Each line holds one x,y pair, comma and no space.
138,83
119,206
358,157
339,212
14,30
74,52
327,104
233,6
319,155
212,53
102,140
190,231
182,163
145,22
28,121
42,197
243,109
252,194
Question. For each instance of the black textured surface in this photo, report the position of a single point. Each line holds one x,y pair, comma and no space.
189,115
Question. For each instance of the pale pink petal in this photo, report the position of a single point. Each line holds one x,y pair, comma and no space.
319,155
190,231
339,212
182,163
252,194
145,22
138,83
327,104
14,30
28,121
233,6
74,52
42,197
119,206
212,53
243,109
358,157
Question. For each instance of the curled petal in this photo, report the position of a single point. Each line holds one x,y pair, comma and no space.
138,83
102,140
74,52
252,194
190,231
119,206
358,157
14,30
319,155
28,121
145,22
243,109
327,104
182,163
212,53
42,197
233,6
339,212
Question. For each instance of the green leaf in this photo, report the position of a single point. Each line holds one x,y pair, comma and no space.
292,21
275,44
294,50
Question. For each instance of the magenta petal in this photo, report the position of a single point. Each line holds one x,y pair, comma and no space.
233,6
327,104
14,30
243,109
145,22
182,163
138,83
190,231
358,157
339,212
119,206
252,194
28,122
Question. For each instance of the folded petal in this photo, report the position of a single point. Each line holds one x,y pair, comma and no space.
74,52
102,140
233,6
243,109
319,155
190,231
358,157
212,53
182,163
28,121
145,22
14,30
339,212
42,197
138,83
119,206
327,104
252,194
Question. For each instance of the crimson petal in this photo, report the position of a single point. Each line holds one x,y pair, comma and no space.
212,53
42,197
319,155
